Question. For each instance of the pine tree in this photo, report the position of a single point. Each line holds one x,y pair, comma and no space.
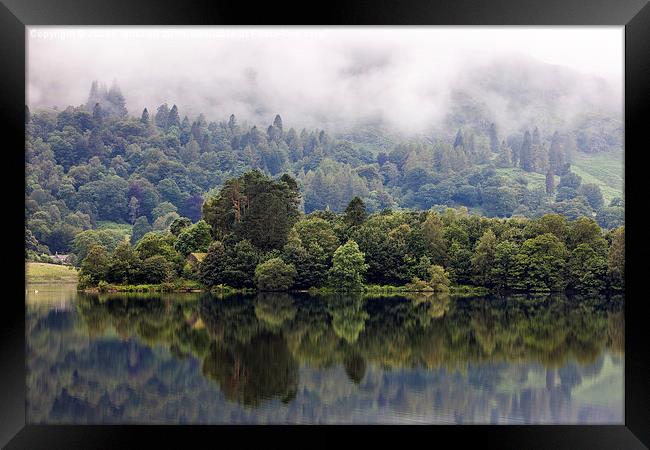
525,153
145,117
556,158
550,181
232,122
494,138
98,113
505,155
173,120
355,213
277,122
134,206
116,101
458,142
162,115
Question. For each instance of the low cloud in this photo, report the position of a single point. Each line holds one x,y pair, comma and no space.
332,78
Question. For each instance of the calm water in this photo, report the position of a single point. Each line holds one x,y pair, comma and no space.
190,358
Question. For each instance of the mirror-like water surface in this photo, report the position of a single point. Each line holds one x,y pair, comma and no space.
280,358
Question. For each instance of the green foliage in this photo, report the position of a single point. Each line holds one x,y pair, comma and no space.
355,212
274,275
439,279
540,264
348,268
616,258
587,270
94,266
194,238
254,207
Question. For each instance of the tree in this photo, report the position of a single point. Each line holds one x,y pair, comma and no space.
526,153
587,270
316,231
348,268
616,259
355,213
195,238
503,268
116,101
593,195
156,269
556,155
95,265
550,182
212,267
432,230
540,264
611,217
483,259
494,138
124,265
140,228
162,116
439,279
254,207
134,206
241,261
144,118
179,225
173,119
310,261
570,180
274,275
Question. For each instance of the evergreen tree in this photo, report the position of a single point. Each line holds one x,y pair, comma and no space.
162,116
117,101
550,182
277,122
504,159
355,213
556,158
173,119
145,117
459,141
526,153
134,207
494,138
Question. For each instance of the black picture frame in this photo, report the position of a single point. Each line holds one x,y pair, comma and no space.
15,15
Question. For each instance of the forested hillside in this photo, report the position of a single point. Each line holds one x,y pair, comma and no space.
96,166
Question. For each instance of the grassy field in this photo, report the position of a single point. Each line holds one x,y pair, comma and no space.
604,169
48,273
535,180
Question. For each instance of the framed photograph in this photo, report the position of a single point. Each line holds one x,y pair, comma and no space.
375,215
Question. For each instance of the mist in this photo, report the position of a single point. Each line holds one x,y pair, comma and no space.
336,78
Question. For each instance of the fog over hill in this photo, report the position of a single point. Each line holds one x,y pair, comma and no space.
424,81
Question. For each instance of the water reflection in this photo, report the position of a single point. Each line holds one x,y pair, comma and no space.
280,358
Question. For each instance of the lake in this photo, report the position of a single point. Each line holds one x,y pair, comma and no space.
281,358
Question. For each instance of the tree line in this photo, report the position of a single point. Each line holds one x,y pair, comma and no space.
253,235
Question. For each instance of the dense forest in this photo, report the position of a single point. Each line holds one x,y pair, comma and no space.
132,198
95,167
253,235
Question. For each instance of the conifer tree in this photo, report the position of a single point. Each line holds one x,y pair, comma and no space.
144,118
494,138
525,153
173,120
162,116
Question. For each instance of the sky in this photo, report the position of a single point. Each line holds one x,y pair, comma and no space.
313,76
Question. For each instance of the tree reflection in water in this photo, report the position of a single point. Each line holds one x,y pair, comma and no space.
522,359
